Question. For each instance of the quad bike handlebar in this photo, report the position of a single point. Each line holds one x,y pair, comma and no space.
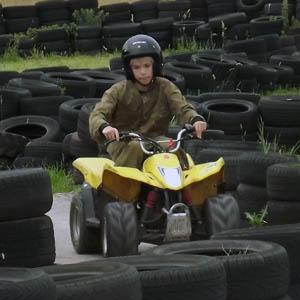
173,146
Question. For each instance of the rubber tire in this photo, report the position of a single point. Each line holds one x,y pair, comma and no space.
252,97
294,291
119,228
9,102
285,235
38,128
27,242
284,136
177,277
49,152
283,181
24,283
75,85
111,280
12,144
196,76
69,112
251,198
234,116
44,106
104,80
25,193
255,264
84,239
37,88
283,212
253,166
280,110
80,148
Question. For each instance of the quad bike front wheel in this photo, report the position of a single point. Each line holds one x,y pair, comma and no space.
119,230
84,239
221,212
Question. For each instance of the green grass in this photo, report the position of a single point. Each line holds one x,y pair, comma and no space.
61,180
10,61
283,91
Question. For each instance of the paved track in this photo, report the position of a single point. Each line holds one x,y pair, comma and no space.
65,254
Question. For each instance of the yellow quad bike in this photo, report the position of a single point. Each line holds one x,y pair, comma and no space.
166,201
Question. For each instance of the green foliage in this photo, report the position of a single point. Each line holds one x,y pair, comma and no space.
285,15
71,30
11,53
89,17
257,219
61,181
32,32
295,23
275,146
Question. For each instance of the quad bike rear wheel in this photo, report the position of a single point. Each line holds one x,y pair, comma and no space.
119,230
84,239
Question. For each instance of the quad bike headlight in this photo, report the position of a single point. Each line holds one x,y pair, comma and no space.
172,176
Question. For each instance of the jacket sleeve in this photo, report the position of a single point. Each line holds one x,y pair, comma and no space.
102,114
184,111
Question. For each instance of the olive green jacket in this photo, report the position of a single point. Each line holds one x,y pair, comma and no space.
124,107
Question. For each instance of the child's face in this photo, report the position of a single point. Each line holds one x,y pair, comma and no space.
142,68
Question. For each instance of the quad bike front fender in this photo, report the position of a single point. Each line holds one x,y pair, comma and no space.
121,182
125,183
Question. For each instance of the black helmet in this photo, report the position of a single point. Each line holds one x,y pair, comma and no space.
141,45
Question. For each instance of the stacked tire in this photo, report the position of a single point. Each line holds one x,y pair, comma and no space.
231,151
53,12
20,18
283,193
199,10
53,41
178,10
280,115
251,192
2,23
143,10
160,29
88,39
82,4
74,115
116,34
27,236
5,41
117,13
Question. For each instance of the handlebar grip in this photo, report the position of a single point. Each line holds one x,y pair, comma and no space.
189,128
213,134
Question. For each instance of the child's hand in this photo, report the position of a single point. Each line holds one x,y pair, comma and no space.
111,133
199,126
